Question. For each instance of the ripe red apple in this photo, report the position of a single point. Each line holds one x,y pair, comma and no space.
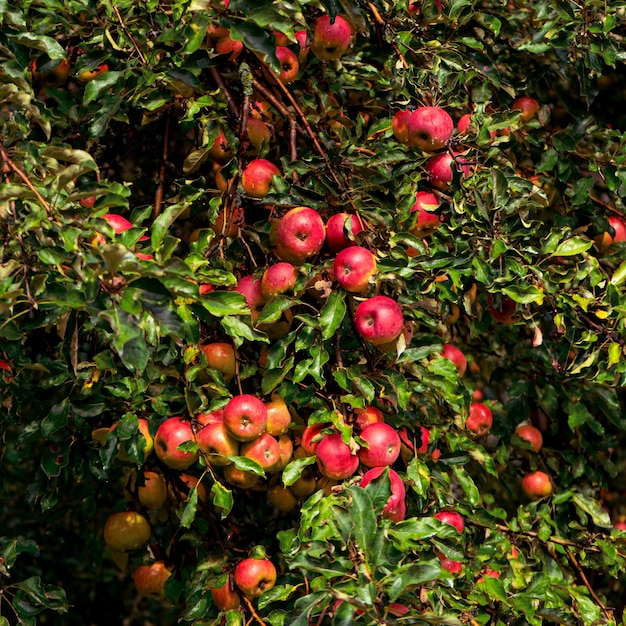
226,597
254,576
336,228
440,169
335,459
528,106
221,357
288,63
604,240
427,220
285,445
229,46
86,76
453,518
456,356
408,450
127,530
300,235
304,46
278,416
150,579
454,567
429,129
489,573
537,485
211,417
330,40
311,437
367,415
256,178
531,434
245,417
152,493
264,450
384,445
278,279
400,126
464,123
353,268
180,488
170,434
217,444
480,419
221,152
379,319
250,288
395,508
53,77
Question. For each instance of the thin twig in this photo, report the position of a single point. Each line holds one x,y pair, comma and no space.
583,577
381,22
129,34
254,613
232,105
158,195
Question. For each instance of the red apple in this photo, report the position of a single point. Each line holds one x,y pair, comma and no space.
330,39
480,419
429,129
221,357
384,445
231,47
150,579
537,485
250,288
217,444
456,356
127,530
454,567
400,126
427,220
395,508
256,178
259,133
311,437
452,518
489,573
337,227
300,235
221,152
278,416
302,38
505,313
170,434
531,434
245,417
408,450
278,279
180,488
86,76
367,415
210,418
335,459
464,123
226,597
354,267
379,319
285,445
528,106
53,77
254,576
289,65
264,450
440,169
604,240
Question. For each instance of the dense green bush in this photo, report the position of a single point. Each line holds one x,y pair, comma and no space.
117,107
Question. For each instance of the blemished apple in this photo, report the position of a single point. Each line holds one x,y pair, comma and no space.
257,176
170,434
531,434
264,449
338,227
379,319
354,267
395,509
527,105
335,459
384,445
455,355
300,235
311,437
537,485
259,133
480,419
226,597
220,151
278,416
604,240
277,279
221,357
254,576
126,530
427,221
453,518
217,444
150,579
366,416
150,489
440,171
245,417
330,39
429,129
289,65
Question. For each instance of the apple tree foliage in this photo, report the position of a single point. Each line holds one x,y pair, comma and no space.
92,334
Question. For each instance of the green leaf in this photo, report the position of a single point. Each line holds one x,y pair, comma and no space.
593,508
524,294
293,471
363,518
40,42
222,498
223,303
573,246
191,506
332,314
247,465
